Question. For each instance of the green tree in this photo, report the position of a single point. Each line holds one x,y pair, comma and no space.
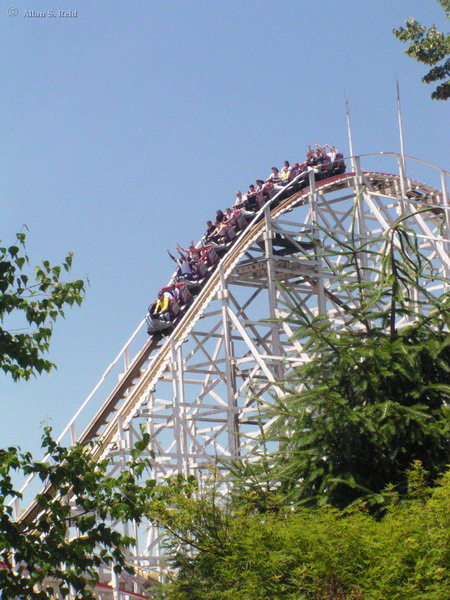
429,46
375,395
29,305
69,532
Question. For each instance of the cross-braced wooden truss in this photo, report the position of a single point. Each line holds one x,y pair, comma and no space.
195,391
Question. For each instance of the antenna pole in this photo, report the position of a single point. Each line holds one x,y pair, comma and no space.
349,132
402,144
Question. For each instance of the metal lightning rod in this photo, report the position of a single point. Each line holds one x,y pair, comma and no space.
349,133
402,144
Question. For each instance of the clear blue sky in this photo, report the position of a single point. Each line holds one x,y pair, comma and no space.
125,127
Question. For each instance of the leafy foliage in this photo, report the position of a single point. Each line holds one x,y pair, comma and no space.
430,46
29,305
79,497
72,527
316,553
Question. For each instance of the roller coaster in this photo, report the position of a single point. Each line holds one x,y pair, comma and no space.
194,389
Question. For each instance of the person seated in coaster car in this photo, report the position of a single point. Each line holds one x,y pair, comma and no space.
323,163
219,216
241,219
219,233
240,200
331,162
193,253
263,192
296,180
236,218
160,310
218,237
201,266
230,233
230,217
314,160
311,160
162,307
323,160
321,155
212,229
225,233
274,177
162,313
337,164
285,173
184,270
299,172
256,194
208,232
295,170
303,172
269,190
252,198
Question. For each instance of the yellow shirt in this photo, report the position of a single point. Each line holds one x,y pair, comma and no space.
161,305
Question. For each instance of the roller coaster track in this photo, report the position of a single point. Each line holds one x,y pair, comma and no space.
236,355
108,415
182,330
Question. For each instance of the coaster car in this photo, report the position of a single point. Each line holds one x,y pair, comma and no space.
210,254
192,285
155,325
179,291
158,323
202,268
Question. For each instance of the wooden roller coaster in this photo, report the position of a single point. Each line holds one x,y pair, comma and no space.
194,390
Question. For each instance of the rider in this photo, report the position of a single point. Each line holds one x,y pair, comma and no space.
184,268
161,309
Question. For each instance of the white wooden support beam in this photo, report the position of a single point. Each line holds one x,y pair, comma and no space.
233,422
271,286
317,251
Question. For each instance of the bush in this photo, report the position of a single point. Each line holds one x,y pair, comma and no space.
321,554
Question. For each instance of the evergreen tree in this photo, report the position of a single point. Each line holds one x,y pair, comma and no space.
374,397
